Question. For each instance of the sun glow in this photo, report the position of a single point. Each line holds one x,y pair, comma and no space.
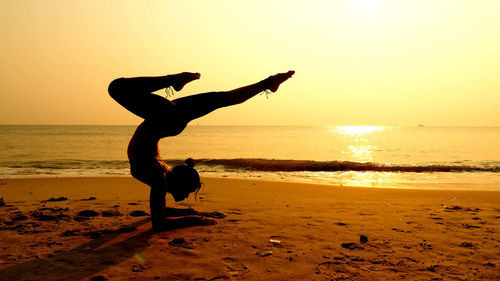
366,5
357,130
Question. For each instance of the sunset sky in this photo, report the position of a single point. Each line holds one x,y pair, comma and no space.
378,62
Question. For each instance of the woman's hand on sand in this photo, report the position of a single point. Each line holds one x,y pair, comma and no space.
215,215
198,220
180,222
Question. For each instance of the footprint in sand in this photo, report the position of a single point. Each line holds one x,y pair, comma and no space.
138,213
110,213
235,268
85,215
50,214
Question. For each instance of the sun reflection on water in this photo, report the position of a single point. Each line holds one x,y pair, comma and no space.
361,152
359,141
356,130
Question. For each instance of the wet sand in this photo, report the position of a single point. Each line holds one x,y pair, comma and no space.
99,229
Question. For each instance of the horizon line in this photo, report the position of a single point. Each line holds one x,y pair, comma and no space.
275,125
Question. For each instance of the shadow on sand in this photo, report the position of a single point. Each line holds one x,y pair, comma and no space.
82,261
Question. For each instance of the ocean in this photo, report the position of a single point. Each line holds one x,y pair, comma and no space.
373,156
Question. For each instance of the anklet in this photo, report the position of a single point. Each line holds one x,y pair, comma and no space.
267,92
169,91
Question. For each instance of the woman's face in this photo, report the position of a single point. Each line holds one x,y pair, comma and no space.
179,194
181,182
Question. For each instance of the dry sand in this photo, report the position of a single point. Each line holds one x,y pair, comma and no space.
272,231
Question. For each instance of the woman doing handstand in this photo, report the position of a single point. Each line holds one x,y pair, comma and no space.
165,118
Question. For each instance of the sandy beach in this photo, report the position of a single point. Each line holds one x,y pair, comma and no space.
99,229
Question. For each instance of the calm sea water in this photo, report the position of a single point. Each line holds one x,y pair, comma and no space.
422,157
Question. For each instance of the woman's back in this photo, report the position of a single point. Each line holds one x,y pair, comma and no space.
143,145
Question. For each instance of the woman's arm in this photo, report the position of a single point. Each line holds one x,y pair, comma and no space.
158,212
157,207
178,212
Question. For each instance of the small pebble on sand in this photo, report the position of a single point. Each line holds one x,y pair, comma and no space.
363,239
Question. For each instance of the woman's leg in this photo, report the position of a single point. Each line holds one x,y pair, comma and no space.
135,94
195,106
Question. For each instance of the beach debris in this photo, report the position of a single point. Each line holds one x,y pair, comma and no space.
274,240
264,253
180,242
363,239
110,213
351,246
88,213
52,199
2,203
99,278
138,213
277,241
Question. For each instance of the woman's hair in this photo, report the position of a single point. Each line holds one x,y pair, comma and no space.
185,177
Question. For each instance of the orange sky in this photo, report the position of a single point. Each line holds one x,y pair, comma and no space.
358,62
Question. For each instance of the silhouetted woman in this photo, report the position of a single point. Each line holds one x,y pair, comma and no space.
165,118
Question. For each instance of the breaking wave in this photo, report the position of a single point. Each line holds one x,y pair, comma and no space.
258,164
271,165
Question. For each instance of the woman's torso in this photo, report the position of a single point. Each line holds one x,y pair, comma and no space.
146,165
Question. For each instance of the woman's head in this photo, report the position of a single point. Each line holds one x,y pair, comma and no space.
183,179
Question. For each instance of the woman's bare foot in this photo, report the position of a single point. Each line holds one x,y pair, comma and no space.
181,79
273,82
